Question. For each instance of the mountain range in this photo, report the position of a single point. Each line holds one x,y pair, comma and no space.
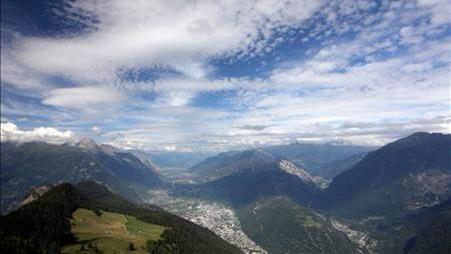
241,177
26,165
393,199
377,195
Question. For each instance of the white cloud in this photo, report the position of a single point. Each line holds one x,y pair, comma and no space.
86,98
174,99
439,10
161,33
97,130
388,81
402,90
21,76
10,132
194,86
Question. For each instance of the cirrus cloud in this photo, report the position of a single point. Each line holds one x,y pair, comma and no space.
160,33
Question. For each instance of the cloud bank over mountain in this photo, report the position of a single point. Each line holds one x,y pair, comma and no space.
10,132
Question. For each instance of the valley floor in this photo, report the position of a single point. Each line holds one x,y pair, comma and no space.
217,217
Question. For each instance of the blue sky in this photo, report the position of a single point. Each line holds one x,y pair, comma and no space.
218,75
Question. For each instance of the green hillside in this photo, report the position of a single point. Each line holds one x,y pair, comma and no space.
110,232
45,226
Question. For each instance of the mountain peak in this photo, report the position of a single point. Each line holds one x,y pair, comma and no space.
421,134
109,149
87,143
425,135
258,154
420,141
248,162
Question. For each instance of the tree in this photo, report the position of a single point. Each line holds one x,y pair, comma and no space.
98,212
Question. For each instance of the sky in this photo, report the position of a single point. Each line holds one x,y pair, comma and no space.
217,75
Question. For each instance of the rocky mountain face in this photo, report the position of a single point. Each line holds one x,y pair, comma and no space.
35,193
316,159
27,165
241,177
405,175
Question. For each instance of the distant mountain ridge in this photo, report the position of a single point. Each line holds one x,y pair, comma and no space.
333,168
225,164
25,165
316,158
241,177
173,159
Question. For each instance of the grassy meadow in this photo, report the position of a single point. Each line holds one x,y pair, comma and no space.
110,233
